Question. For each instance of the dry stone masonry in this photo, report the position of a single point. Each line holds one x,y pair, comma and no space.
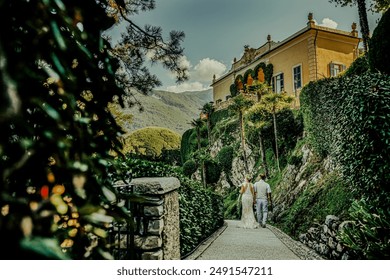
324,238
156,219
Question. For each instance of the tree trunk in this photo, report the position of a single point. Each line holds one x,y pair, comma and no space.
204,174
276,139
243,140
364,29
263,155
208,130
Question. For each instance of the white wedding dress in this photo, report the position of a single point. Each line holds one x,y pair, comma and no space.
248,217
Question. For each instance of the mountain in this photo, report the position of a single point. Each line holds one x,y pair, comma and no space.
168,109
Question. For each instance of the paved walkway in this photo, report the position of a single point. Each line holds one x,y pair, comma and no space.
234,243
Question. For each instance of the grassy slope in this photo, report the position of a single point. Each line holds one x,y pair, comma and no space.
167,109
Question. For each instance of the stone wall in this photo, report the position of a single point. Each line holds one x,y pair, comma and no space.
324,238
156,219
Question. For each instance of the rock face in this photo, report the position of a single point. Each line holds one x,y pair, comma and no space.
238,171
324,238
296,178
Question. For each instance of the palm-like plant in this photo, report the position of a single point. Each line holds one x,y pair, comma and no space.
207,110
256,116
239,105
273,103
259,89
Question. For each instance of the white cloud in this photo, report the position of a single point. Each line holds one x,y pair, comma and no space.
206,68
184,62
200,76
327,22
187,86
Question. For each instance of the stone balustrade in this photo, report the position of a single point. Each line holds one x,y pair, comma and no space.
156,230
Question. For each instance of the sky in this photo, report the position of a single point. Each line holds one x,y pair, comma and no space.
217,30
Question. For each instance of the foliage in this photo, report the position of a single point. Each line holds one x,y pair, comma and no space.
295,160
378,56
349,119
220,115
353,115
233,90
329,196
319,101
213,171
225,158
58,76
368,235
189,167
375,5
358,67
186,146
151,142
208,110
170,156
201,210
239,105
232,207
361,5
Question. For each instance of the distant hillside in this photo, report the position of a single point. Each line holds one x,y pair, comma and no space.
168,109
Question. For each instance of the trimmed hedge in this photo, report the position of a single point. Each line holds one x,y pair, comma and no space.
189,167
185,146
359,67
379,56
349,119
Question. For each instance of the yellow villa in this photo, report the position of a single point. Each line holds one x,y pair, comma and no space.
312,53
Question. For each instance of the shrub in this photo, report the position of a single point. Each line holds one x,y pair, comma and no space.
358,67
368,235
225,158
213,171
295,160
189,167
151,141
186,146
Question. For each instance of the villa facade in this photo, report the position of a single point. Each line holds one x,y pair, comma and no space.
312,53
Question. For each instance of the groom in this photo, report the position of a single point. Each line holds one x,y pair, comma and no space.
263,196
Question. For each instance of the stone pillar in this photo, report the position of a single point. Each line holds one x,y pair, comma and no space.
157,227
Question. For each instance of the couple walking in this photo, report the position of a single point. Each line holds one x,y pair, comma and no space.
259,194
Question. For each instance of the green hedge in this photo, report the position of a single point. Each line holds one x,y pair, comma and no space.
379,55
201,210
186,147
189,167
359,67
349,118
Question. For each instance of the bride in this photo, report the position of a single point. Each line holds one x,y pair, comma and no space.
247,197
